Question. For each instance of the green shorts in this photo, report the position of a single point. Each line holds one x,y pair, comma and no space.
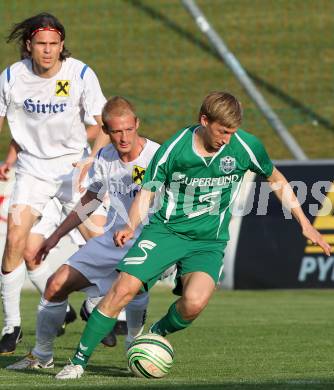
157,248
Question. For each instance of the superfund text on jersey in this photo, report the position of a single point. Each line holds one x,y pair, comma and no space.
198,192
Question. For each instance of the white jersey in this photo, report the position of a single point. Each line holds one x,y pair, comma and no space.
45,115
120,180
98,259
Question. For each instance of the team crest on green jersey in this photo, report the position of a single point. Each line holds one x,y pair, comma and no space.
227,164
138,174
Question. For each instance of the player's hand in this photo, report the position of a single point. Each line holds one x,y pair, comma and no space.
316,238
83,167
44,250
4,170
122,236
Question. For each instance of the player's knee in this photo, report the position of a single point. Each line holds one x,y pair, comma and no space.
123,293
54,290
16,240
194,309
116,299
193,304
29,256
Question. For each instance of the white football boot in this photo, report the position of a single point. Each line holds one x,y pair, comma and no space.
31,362
70,371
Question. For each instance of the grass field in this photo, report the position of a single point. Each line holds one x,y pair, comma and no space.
243,341
152,52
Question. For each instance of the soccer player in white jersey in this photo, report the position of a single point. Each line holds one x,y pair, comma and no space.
43,97
52,217
118,170
201,168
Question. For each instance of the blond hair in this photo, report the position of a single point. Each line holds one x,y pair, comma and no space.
117,106
222,107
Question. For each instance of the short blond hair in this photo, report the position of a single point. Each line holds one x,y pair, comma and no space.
117,106
222,107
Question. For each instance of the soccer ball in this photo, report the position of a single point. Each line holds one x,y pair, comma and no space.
150,356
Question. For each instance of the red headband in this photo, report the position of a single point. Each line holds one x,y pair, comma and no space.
44,29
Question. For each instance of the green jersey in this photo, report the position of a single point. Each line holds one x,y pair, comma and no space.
198,192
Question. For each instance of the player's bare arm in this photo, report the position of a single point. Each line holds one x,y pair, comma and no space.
92,132
137,214
74,219
5,167
101,140
285,194
2,119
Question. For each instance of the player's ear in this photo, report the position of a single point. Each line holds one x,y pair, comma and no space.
204,120
137,123
28,45
105,130
61,46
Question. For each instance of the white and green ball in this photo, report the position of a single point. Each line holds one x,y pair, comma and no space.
150,356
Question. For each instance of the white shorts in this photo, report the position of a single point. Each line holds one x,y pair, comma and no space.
36,192
52,218
28,190
97,261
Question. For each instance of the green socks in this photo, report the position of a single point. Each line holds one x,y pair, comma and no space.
97,327
170,323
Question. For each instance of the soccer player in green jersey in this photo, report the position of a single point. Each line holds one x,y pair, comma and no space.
197,173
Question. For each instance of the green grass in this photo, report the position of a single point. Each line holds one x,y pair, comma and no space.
152,52
243,341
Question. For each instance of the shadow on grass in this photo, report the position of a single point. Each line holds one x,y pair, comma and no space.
277,92
101,371
93,373
6,360
154,384
110,371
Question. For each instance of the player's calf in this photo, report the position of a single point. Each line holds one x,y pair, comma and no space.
170,323
110,340
70,317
